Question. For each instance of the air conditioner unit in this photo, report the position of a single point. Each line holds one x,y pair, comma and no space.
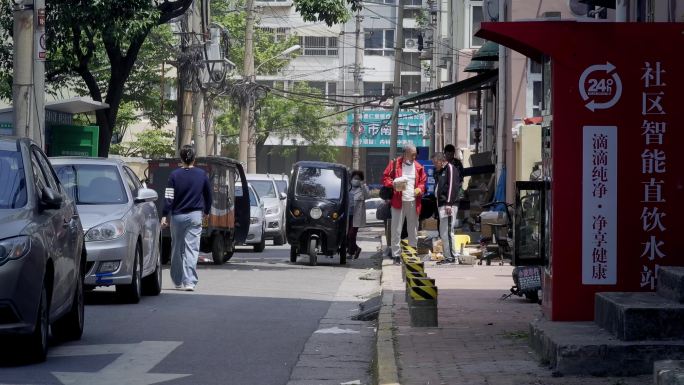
411,43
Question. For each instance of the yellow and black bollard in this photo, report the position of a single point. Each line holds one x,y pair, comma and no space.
422,302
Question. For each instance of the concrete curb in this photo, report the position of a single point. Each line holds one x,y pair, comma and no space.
387,371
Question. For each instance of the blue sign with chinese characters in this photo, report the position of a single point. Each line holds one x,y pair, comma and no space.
375,128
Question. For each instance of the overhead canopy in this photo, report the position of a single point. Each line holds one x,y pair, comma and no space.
488,52
479,66
467,85
76,105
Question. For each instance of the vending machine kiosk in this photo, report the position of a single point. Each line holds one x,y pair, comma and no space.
613,181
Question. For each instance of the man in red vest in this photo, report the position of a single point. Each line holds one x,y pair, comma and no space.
408,178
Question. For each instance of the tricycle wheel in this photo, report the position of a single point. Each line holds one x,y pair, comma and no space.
293,254
218,249
312,252
343,254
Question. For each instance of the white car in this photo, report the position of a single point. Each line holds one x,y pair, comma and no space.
274,209
372,205
257,221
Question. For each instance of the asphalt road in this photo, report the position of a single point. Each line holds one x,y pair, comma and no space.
255,320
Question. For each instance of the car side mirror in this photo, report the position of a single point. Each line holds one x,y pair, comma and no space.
51,199
283,196
146,195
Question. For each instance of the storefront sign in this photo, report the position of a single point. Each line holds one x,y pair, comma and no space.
375,128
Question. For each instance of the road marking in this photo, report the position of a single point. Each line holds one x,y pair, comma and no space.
130,368
336,330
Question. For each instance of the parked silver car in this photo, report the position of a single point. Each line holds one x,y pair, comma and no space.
42,253
274,204
121,225
372,205
257,221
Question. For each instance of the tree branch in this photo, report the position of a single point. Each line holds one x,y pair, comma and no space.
83,61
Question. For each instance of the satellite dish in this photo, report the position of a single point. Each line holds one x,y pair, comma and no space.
577,8
491,7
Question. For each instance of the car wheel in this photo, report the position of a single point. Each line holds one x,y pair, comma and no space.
259,247
152,284
313,257
293,254
36,344
279,240
218,249
70,327
132,293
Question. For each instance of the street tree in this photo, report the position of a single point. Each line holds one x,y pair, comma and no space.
300,115
98,43
328,11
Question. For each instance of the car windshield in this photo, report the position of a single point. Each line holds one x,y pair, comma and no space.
252,197
264,188
282,186
90,184
371,204
13,186
322,183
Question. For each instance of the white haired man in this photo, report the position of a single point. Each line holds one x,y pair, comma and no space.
408,178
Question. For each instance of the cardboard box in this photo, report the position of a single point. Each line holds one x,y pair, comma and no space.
429,224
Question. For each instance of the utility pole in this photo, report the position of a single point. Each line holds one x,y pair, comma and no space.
198,41
398,49
39,52
246,110
22,87
358,63
185,84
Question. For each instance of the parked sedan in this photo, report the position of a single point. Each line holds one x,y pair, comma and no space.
121,225
257,221
372,205
274,204
42,253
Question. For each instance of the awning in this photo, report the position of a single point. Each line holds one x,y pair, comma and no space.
479,66
76,105
467,85
488,52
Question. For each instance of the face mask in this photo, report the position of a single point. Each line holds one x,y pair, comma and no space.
356,182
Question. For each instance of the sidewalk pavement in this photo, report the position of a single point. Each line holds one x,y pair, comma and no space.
481,339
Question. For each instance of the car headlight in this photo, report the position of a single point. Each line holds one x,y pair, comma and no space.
253,220
316,213
272,210
106,231
14,248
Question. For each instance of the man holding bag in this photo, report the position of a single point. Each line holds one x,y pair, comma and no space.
407,177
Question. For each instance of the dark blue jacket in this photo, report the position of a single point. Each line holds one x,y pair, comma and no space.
187,190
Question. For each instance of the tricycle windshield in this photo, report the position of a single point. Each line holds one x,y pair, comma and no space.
320,183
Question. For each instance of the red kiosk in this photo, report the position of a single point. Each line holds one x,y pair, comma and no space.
611,133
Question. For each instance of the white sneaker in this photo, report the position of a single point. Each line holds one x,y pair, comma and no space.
189,287
178,287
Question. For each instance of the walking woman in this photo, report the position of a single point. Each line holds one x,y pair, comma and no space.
357,211
188,200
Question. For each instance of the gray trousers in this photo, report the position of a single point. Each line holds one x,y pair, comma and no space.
408,211
445,233
186,230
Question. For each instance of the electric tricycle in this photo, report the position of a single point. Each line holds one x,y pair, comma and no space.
317,217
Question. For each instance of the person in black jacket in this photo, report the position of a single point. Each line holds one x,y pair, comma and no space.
187,200
447,184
